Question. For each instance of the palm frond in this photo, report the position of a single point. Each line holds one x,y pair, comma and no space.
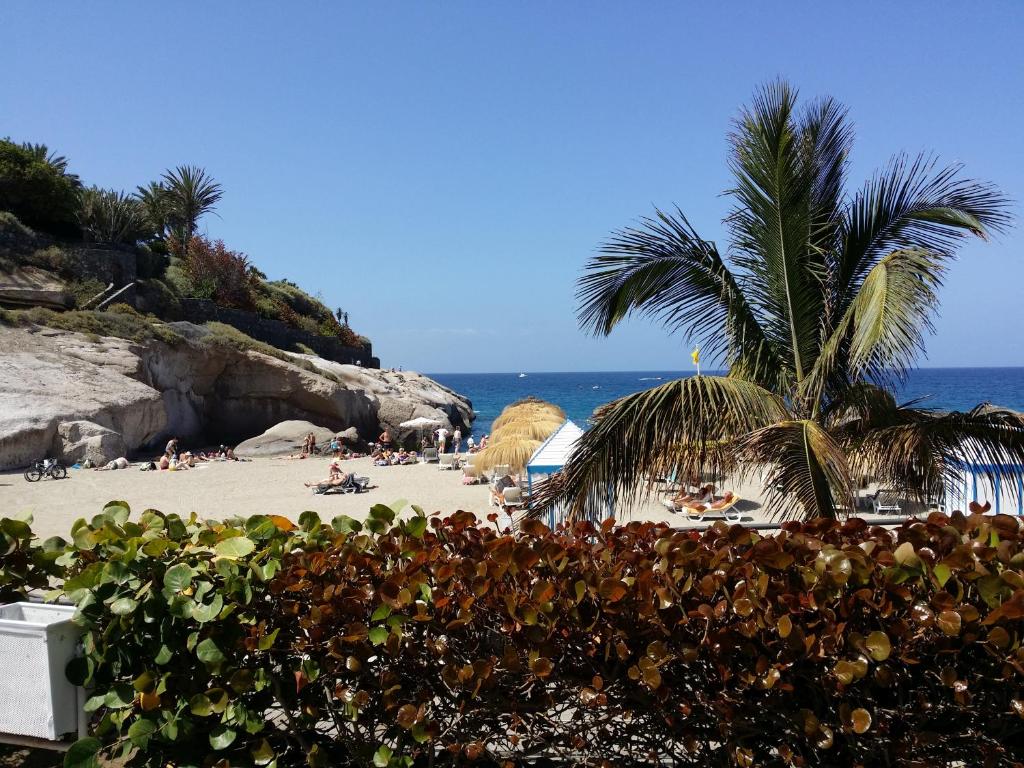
684,427
191,193
882,331
808,471
914,448
782,274
912,204
664,270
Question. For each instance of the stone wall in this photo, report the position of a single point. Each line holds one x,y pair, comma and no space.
276,333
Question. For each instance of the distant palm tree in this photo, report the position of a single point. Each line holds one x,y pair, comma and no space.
191,194
820,305
156,207
58,163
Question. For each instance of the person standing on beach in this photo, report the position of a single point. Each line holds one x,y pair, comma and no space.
385,440
172,448
456,440
442,438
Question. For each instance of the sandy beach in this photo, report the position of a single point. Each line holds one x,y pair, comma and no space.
272,485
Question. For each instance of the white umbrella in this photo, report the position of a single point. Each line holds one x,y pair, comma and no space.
420,423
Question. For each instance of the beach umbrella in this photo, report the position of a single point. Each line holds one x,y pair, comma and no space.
513,451
540,428
529,408
420,423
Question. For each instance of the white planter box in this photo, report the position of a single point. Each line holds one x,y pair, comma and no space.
37,641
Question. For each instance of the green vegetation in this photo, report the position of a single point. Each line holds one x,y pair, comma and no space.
36,187
157,225
821,303
120,324
437,641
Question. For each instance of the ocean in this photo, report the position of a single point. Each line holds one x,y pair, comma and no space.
580,393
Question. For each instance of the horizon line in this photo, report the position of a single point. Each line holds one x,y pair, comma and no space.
692,370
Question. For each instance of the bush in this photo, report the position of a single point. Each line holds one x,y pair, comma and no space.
24,566
438,641
154,296
38,192
84,290
133,327
215,272
111,217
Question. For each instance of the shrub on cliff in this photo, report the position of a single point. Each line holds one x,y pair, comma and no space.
36,187
441,641
215,272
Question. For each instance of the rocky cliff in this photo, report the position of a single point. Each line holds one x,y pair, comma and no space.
63,394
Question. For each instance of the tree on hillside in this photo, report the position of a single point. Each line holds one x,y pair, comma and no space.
36,187
156,207
191,194
108,216
819,305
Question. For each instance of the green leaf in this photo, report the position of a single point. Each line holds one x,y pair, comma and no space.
119,510
382,757
235,547
378,635
178,577
382,512
208,653
123,606
221,737
346,524
140,732
267,641
200,705
942,574
382,612
204,613
262,753
82,754
94,703
164,655
120,696
417,526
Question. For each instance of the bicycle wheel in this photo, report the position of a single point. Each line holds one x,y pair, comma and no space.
34,474
58,472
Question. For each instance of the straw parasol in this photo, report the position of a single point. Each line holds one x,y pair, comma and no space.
528,408
513,450
539,428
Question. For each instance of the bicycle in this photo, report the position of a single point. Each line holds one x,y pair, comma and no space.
46,468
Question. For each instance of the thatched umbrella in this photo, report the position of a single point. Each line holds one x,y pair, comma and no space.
538,428
529,408
513,451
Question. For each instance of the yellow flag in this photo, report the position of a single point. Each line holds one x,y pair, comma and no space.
696,355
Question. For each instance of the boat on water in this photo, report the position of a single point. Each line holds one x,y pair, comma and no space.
522,375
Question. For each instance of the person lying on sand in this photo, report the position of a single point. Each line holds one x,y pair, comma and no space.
118,463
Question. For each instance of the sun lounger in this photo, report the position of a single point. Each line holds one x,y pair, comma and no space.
887,502
353,485
512,497
724,507
429,454
446,461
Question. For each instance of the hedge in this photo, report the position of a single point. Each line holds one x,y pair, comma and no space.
437,640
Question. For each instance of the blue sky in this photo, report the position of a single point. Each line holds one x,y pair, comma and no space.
443,170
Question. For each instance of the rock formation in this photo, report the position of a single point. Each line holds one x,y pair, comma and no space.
63,394
286,437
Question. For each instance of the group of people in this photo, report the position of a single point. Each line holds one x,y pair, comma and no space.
388,458
173,459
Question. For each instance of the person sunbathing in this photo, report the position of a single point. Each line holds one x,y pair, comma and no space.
498,490
704,495
118,463
335,477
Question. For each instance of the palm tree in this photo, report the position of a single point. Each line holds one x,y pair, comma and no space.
58,163
156,207
819,305
191,193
